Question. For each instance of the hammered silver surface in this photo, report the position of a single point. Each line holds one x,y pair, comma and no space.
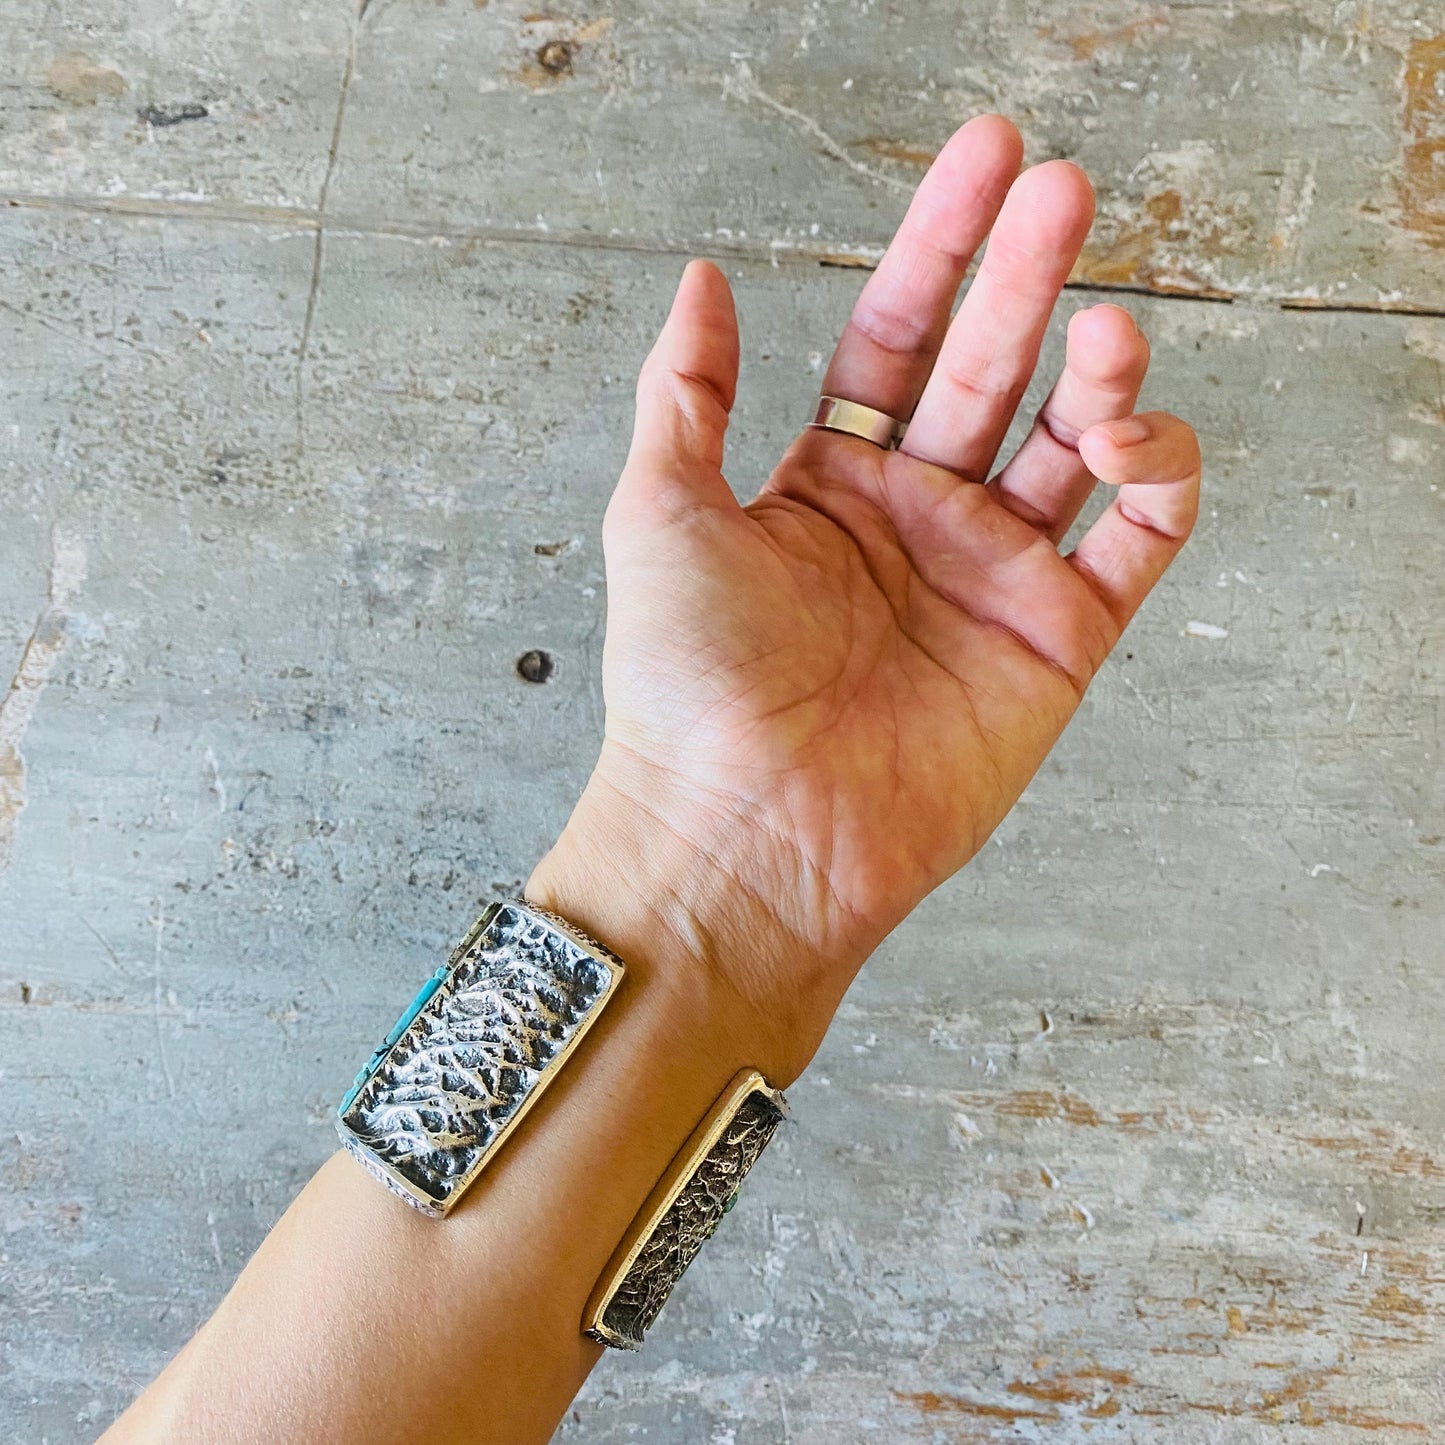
689,1223
471,1058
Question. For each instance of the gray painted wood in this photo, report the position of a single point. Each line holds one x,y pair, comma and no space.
1133,1131
1289,151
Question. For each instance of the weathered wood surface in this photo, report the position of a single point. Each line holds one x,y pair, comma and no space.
1134,1131
1293,150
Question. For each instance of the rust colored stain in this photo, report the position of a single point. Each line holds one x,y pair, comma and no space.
1422,179
554,58
1109,1377
930,1403
1392,1302
1274,1407
1087,45
1155,252
897,150
1381,1150
1075,1387
1041,1104
1296,1402
1060,1390
1167,208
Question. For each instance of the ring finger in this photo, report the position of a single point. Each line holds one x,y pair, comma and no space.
1046,481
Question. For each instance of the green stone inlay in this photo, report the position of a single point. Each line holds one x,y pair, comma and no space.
423,997
416,1006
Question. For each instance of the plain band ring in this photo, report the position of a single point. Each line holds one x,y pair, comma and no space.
836,413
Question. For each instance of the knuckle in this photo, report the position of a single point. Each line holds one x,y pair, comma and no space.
980,376
891,329
1016,268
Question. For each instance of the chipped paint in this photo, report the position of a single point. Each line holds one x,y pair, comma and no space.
32,676
79,80
1422,177
1164,245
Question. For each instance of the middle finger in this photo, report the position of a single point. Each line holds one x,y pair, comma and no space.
992,346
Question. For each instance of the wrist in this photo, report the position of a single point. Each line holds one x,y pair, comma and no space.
702,947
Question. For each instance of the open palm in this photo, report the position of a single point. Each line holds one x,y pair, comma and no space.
834,693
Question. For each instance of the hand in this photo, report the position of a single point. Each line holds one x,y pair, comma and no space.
820,704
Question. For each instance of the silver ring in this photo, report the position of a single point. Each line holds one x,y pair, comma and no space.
836,413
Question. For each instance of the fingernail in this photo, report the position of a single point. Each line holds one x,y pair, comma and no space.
1128,431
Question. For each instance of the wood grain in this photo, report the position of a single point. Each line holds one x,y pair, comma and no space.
1289,152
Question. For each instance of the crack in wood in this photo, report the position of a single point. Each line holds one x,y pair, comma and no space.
771,253
319,225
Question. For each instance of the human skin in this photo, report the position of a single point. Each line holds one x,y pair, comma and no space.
819,705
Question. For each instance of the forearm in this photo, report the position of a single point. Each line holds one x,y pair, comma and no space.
360,1321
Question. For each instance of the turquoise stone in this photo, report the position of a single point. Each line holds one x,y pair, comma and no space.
423,997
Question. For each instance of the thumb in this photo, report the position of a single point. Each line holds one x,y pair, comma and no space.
684,394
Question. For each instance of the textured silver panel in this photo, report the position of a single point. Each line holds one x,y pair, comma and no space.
689,1222
517,996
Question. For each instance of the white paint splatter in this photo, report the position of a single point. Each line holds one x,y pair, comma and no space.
214,780
1207,630
966,1129
37,662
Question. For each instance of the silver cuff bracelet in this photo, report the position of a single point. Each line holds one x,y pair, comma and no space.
681,1213
473,1051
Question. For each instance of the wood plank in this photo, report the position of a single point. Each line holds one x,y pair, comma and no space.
1289,152
1091,1140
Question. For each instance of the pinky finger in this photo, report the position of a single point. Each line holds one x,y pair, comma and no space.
1153,459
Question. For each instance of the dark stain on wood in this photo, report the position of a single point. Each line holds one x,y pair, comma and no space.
555,57
175,113
535,665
